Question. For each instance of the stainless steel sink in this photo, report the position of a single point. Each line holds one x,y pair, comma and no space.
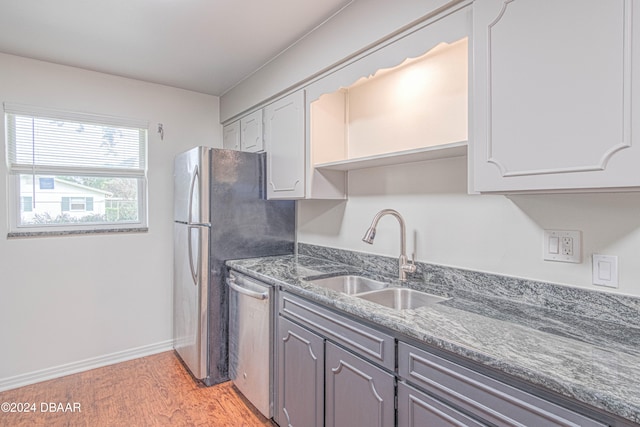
349,284
402,298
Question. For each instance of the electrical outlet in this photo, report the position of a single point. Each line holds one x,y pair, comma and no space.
562,246
567,246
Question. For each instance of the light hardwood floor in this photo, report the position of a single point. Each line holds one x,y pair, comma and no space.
151,391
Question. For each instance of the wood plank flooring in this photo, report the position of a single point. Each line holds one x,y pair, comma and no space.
150,391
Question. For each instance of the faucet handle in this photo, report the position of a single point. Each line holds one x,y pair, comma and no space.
410,267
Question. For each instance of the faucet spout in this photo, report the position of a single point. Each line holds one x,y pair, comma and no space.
369,235
404,266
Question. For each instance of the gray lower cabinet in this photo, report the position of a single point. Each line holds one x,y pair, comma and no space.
334,371
300,394
357,392
325,370
418,409
487,399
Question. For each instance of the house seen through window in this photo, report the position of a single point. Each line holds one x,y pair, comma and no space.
71,171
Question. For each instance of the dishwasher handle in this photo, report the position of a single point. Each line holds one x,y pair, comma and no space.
231,282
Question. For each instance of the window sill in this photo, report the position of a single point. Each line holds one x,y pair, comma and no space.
28,234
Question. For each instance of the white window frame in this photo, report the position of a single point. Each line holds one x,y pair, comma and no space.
15,198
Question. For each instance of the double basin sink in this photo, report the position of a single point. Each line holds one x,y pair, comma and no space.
378,292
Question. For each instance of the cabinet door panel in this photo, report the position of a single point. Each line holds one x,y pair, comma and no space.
300,376
231,136
417,409
251,132
357,393
285,147
553,94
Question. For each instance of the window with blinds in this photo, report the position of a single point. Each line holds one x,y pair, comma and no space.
71,171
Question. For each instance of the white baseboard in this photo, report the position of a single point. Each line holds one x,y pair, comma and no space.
83,365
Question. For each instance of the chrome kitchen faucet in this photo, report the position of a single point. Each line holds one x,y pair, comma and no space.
404,266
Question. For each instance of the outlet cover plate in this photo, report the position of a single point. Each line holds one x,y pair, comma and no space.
562,246
605,270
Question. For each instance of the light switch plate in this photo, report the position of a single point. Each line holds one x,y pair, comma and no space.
605,270
562,246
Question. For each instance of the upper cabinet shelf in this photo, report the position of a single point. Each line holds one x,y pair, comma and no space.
412,111
454,149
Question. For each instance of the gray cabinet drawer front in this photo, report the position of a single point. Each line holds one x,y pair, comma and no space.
416,409
491,400
371,344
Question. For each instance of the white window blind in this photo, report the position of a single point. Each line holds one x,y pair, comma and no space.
74,171
44,141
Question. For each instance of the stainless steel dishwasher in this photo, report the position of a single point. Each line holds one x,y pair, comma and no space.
251,340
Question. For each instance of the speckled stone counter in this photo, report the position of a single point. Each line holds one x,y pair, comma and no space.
581,344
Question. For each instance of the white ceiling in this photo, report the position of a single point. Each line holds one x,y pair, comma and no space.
207,46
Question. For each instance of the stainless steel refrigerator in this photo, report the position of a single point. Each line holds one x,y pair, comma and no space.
220,213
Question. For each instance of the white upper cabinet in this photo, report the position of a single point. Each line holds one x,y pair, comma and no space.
231,136
285,147
244,134
555,95
251,132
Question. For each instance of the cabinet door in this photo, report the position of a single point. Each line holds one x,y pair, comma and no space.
231,136
285,147
417,409
300,376
357,392
251,132
555,101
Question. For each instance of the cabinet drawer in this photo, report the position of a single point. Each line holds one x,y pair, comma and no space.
371,344
491,400
416,408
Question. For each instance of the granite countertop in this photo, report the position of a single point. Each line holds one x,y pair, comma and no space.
556,345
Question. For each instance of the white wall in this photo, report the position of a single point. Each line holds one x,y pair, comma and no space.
491,233
86,300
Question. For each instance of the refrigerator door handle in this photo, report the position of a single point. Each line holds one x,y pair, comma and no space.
194,178
200,224
194,270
